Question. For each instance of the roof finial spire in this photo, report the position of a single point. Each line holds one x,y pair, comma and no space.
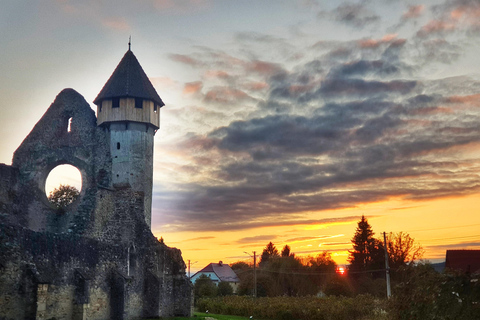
129,42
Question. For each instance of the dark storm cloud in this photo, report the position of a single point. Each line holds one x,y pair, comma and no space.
299,135
353,14
327,133
365,67
199,238
361,87
439,50
225,95
256,239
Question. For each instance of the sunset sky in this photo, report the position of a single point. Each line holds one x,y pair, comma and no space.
285,121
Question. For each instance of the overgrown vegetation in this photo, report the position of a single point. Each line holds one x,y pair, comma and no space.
63,196
420,293
285,274
203,316
424,294
296,288
295,308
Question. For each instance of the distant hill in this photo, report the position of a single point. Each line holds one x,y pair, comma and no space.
439,267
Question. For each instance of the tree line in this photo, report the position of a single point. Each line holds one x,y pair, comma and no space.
418,291
282,273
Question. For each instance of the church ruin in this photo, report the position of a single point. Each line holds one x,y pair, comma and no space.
99,258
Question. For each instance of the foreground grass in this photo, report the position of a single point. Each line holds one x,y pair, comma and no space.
202,316
218,316
362,307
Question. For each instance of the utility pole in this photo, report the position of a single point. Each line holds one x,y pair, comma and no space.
189,268
254,272
387,268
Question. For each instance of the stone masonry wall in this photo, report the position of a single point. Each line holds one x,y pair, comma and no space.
8,179
98,260
40,277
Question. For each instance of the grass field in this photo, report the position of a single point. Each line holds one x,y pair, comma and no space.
203,316
218,316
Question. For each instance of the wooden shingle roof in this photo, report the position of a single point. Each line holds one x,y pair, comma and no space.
129,80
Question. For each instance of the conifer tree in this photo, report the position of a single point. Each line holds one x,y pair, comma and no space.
367,251
286,251
270,251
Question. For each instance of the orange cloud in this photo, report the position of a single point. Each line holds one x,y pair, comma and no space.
414,12
67,7
471,100
185,59
180,6
461,17
163,82
372,43
118,24
255,86
435,26
264,68
432,110
216,74
224,94
471,14
192,87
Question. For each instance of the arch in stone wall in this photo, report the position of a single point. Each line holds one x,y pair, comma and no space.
66,134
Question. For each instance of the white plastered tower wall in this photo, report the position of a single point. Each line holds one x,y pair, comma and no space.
128,108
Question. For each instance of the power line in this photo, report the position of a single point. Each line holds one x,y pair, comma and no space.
463,237
293,272
444,228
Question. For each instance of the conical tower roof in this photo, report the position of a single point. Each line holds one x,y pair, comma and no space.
129,80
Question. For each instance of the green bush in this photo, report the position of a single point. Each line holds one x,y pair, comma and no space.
361,307
204,287
424,294
225,289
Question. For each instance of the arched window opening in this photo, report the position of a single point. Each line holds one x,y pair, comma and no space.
69,127
118,145
63,185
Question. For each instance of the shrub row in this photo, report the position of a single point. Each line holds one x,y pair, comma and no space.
361,307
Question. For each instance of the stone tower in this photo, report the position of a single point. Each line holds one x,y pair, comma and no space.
96,258
128,109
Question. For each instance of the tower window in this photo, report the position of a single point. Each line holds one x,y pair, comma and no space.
138,103
115,103
69,127
118,145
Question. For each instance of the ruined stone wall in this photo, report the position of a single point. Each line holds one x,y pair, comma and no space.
8,180
50,144
47,275
99,259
